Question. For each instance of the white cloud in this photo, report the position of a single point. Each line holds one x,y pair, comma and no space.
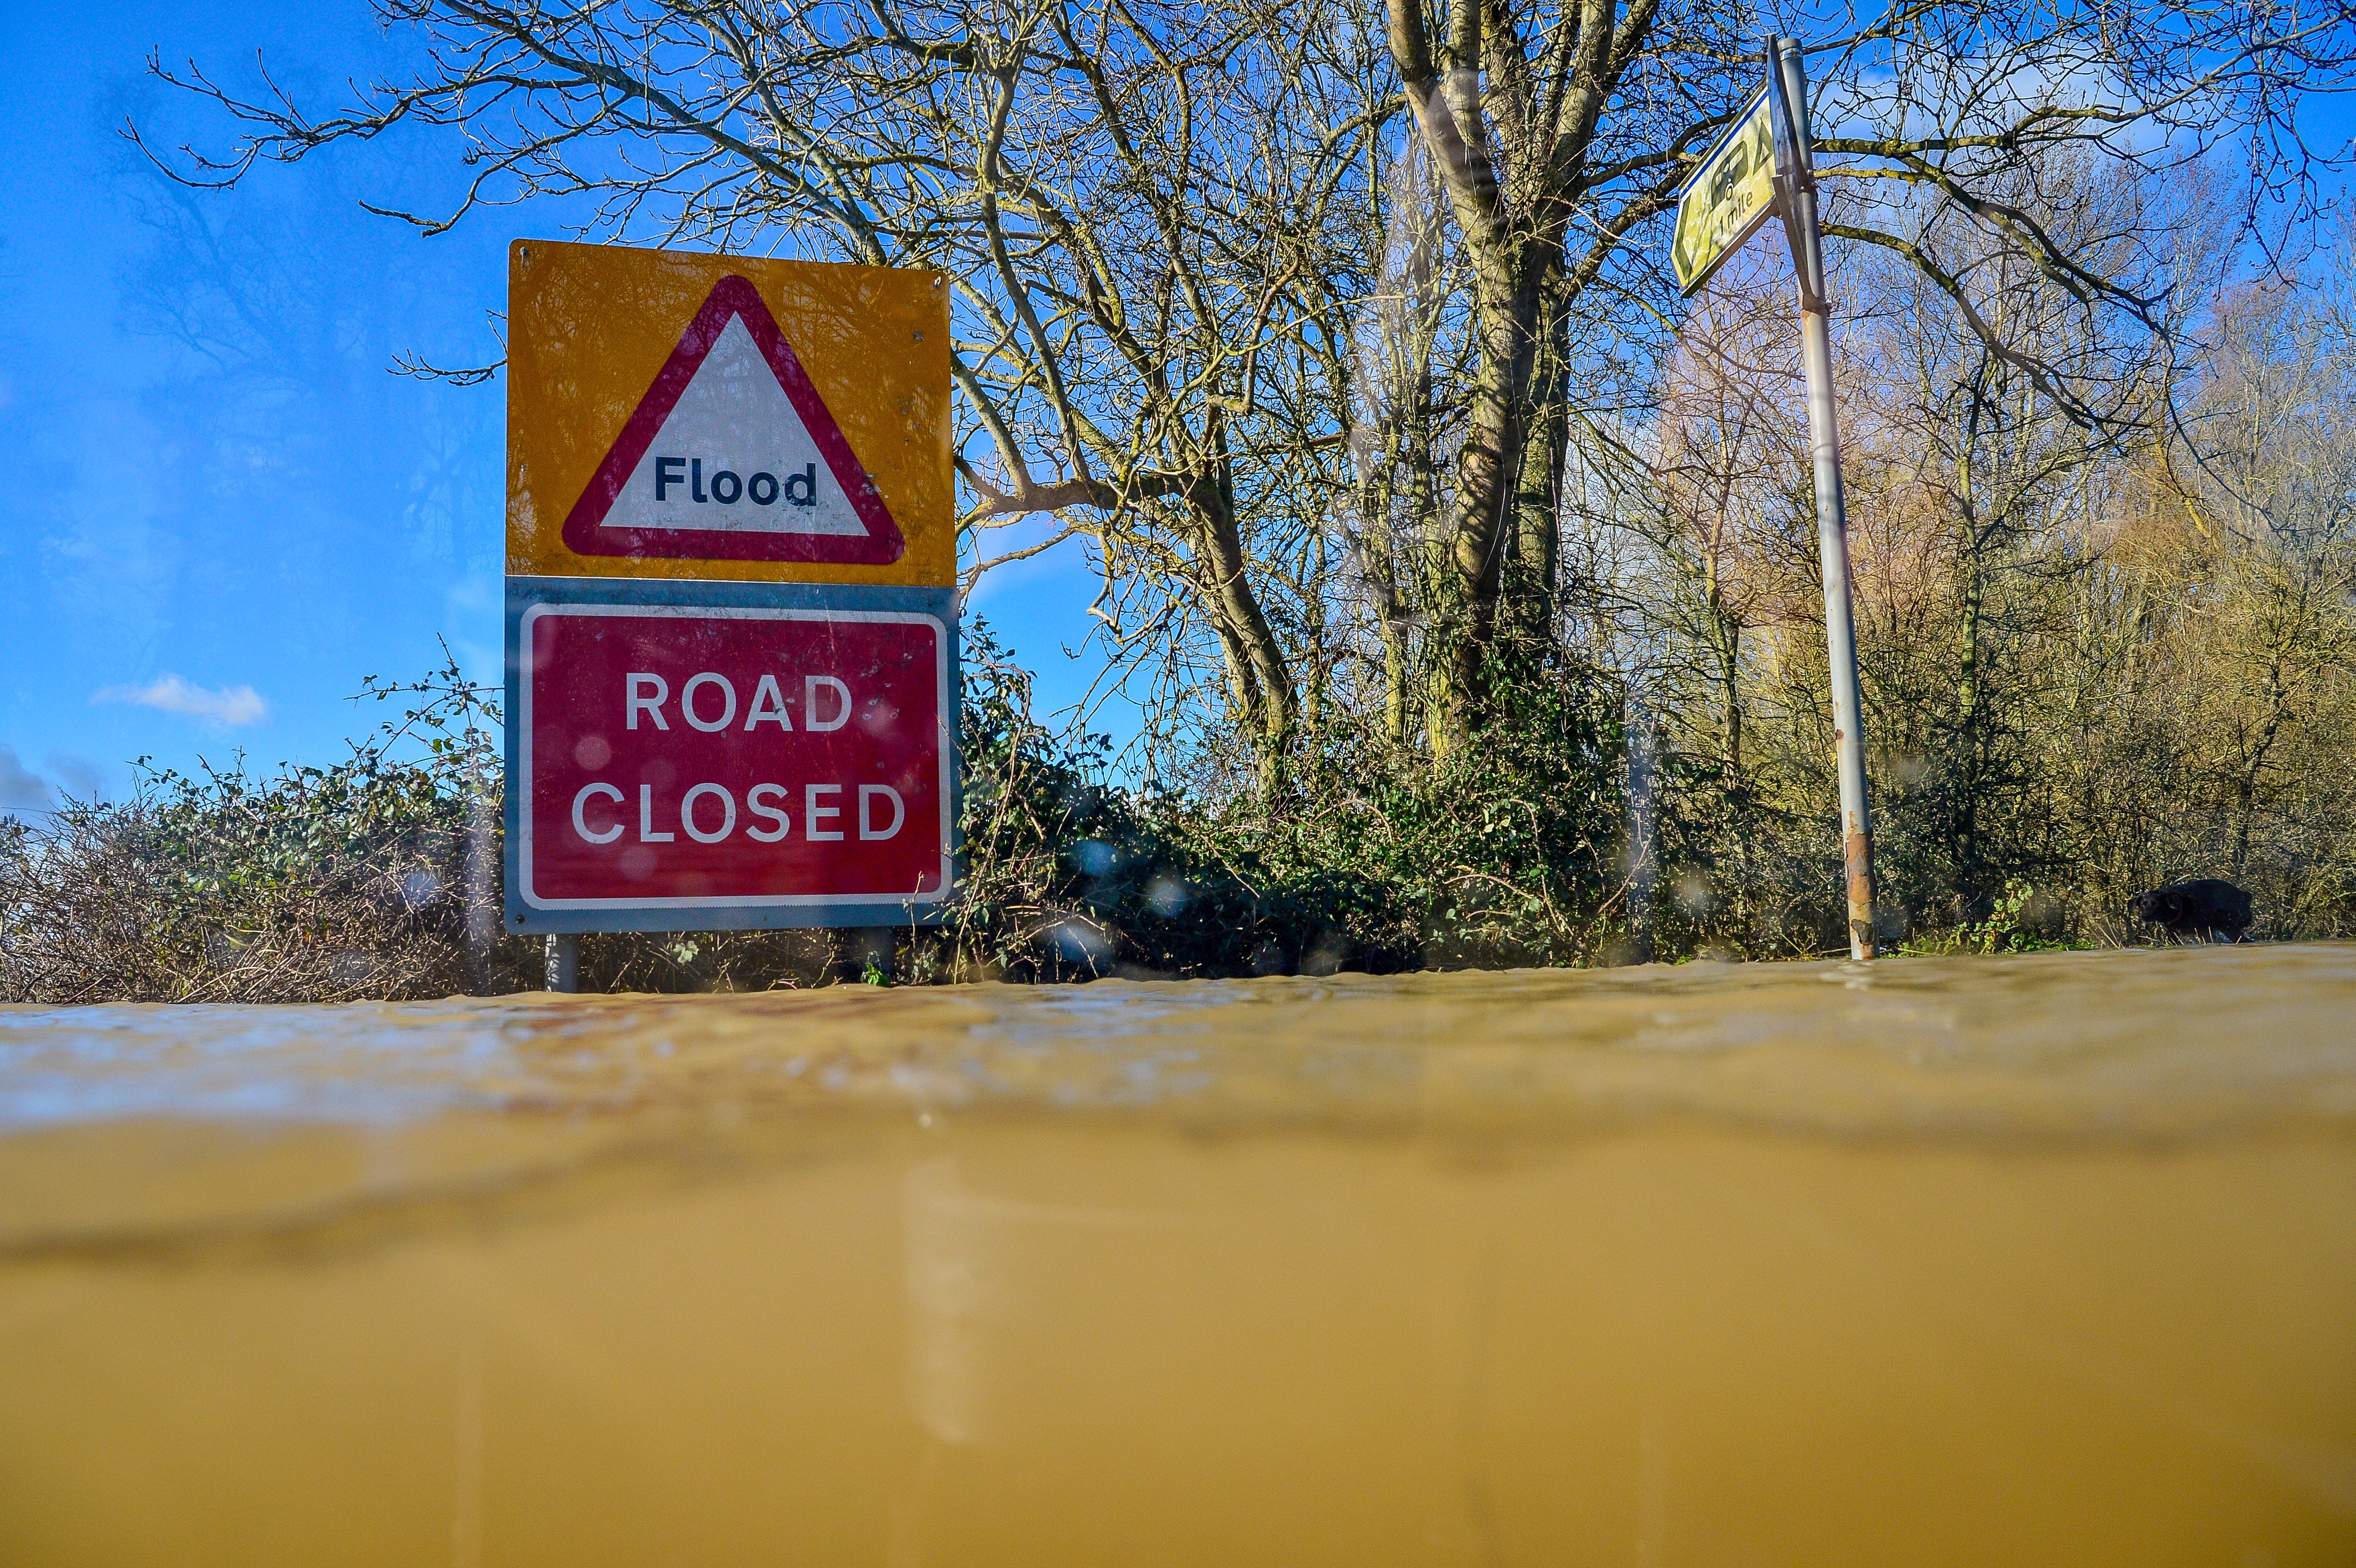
232,705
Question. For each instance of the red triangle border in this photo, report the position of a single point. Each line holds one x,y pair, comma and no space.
731,296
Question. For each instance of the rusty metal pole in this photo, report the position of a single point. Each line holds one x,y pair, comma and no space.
1832,521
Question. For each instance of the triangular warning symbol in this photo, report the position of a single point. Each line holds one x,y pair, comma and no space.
732,455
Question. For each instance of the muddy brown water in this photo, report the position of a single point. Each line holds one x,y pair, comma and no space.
2040,1260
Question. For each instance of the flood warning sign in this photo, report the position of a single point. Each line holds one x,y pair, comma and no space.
732,455
697,416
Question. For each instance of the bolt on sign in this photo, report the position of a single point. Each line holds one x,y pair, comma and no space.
730,633
1728,197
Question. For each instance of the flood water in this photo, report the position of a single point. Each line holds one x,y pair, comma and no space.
2024,1260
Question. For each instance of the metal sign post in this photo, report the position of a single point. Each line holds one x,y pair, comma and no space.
1789,89
1730,196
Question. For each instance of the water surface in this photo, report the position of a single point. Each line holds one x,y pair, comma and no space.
2047,1259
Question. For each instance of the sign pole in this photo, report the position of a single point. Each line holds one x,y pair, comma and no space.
564,962
1789,86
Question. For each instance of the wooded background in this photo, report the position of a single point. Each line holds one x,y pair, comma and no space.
1473,570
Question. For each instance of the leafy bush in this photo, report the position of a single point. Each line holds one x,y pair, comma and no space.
1508,853
376,876
379,876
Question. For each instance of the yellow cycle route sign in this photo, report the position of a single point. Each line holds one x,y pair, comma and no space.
1728,197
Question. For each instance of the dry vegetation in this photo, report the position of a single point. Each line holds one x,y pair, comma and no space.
2098,656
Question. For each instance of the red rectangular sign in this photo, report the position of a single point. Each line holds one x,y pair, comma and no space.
708,757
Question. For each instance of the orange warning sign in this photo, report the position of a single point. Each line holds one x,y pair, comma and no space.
677,415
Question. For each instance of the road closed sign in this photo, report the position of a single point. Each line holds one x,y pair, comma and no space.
683,765
677,415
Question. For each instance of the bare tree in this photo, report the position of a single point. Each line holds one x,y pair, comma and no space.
2267,479
1172,234
1563,130
1128,198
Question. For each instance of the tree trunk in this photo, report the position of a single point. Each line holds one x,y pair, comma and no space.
1468,602
1378,566
1500,246
1967,774
1538,493
2246,802
1729,636
1258,668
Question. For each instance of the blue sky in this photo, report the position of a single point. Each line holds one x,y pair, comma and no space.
224,511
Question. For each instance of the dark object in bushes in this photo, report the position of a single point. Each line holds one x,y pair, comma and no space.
2205,908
